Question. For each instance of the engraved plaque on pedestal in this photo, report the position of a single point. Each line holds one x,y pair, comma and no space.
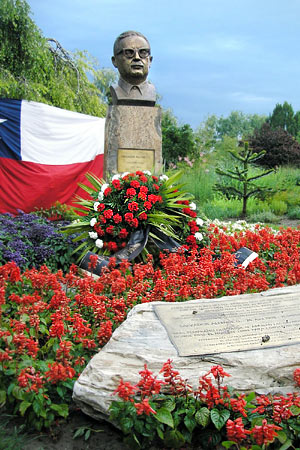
132,139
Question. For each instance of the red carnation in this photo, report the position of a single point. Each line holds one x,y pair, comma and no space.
135,223
148,205
112,246
154,178
130,192
142,195
123,233
133,206
135,184
102,219
110,229
108,213
128,217
156,187
116,184
99,231
101,207
144,189
143,216
153,198
143,179
107,191
117,218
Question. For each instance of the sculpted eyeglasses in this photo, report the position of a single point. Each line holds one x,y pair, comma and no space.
130,53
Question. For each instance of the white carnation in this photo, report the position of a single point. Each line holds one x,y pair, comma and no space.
199,236
96,204
116,177
93,234
99,243
93,221
100,196
146,172
124,174
104,186
193,206
163,177
199,221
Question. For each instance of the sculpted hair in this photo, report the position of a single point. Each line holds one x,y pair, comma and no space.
124,35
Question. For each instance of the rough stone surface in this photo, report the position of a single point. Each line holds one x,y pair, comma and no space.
143,339
132,128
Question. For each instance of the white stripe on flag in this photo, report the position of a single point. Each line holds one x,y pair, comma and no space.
55,136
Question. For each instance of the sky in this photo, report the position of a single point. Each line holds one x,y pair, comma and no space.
209,56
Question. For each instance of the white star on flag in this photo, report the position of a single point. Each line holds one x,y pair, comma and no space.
3,120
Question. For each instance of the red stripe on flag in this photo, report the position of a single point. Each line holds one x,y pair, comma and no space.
25,185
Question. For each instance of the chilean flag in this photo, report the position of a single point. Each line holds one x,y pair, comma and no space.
44,153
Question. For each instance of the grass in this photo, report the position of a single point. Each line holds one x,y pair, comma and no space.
284,200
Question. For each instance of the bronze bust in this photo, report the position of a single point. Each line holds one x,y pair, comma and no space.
132,57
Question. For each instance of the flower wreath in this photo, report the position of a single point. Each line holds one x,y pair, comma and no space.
131,201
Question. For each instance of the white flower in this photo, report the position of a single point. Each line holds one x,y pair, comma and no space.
93,234
146,172
104,186
116,177
193,206
125,174
96,204
93,221
164,177
199,236
199,221
100,196
99,243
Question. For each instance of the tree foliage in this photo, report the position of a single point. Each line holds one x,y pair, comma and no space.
238,124
283,116
247,187
35,68
177,140
280,147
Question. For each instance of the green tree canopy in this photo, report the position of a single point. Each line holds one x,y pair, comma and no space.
283,116
35,68
177,140
238,124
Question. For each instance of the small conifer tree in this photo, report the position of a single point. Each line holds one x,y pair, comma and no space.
246,186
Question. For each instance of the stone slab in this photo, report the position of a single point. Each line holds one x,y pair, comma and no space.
223,325
143,339
134,129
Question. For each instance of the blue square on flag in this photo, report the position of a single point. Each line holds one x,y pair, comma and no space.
10,137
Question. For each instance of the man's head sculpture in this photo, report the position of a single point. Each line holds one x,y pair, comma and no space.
132,57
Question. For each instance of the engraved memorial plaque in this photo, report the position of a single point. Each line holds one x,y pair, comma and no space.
130,160
232,324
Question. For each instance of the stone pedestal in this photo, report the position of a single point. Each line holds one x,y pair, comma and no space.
132,139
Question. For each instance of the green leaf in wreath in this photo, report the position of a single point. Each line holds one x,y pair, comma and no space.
164,416
203,416
219,418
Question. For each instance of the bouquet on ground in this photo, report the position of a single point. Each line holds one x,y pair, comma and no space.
135,201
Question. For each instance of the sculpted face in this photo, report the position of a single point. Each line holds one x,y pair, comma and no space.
132,59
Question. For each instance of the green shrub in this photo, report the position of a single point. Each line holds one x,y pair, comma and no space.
264,217
278,207
294,213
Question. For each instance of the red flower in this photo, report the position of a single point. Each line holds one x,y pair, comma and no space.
135,223
154,178
297,376
143,179
135,184
123,233
116,184
265,433
107,191
133,206
110,229
58,372
128,217
143,216
148,205
112,246
235,430
125,390
108,213
156,187
144,407
117,218
101,207
130,192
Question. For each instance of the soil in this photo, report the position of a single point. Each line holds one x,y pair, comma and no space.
103,436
